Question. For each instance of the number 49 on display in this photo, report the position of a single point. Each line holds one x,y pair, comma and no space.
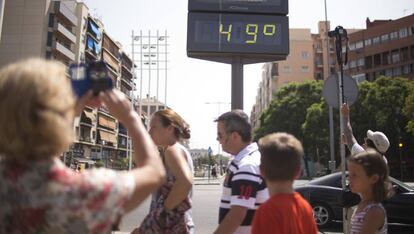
251,30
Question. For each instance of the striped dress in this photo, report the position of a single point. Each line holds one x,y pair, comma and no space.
358,219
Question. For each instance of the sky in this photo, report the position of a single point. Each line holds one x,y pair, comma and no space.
192,83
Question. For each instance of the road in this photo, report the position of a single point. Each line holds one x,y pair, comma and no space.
205,212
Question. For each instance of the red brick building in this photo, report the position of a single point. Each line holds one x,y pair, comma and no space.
385,47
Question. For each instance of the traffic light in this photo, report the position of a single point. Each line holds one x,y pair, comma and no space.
400,145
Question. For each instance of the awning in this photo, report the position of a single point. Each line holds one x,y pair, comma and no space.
84,160
89,115
108,137
94,29
97,48
90,43
106,122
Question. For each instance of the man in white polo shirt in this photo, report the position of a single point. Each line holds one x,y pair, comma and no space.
244,189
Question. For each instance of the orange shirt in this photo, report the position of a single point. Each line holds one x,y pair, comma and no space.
284,213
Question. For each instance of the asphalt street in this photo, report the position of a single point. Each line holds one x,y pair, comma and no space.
205,212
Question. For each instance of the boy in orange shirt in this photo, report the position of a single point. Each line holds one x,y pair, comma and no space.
285,211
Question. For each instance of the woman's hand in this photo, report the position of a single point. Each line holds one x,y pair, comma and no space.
119,105
87,99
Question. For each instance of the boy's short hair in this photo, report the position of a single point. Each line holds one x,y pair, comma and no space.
281,155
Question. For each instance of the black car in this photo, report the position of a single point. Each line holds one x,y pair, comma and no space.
327,198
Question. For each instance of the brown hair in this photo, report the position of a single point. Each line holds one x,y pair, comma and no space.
169,117
281,155
36,105
373,164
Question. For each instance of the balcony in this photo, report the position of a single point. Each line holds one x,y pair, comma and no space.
126,71
129,84
61,49
111,47
126,62
64,32
112,62
66,13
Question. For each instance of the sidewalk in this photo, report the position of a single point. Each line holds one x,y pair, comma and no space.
207,181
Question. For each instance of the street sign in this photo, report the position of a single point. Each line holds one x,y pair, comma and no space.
330,90
227,35
257,6
209,151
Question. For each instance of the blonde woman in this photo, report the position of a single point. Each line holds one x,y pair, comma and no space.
38,193
170,210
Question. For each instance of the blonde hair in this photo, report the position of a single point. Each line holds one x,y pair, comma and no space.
37,107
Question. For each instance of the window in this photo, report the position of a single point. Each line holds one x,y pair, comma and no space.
51,20
352,64
351,46
395,56
275,69
404,54
304,54
368,62
360,62
376,40
403,32
367,42
396,71
406,69
411,31
377,59
304,69
388,72
386,58
49,39
384,38
394,35
359,45
319,76
286,69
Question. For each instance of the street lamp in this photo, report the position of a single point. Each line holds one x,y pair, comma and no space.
218,143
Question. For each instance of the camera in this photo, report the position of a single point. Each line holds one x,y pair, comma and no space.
339,31
91,76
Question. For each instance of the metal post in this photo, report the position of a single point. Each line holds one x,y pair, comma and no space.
332,162
237,84
141,76
1,15
149,80
345,222
129,148
166,63
158,73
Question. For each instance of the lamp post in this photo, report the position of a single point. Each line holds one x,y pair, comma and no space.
218,143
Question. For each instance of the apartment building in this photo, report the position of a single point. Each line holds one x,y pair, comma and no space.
308,60
385,47
64,30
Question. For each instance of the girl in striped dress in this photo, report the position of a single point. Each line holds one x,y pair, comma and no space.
368,176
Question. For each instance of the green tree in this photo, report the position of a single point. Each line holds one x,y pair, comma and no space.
287,112
408,111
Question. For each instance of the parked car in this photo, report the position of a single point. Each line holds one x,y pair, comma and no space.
326,196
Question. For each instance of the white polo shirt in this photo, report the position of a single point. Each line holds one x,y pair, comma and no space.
244,186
